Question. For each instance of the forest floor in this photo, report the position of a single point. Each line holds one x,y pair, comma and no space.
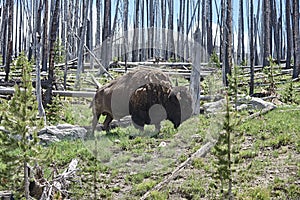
266,160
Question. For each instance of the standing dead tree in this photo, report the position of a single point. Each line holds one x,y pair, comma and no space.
81,43
266,34
8,59
53,35
296,36
227,48
289,34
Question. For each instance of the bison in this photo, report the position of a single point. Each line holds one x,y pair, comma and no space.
154,102
112,99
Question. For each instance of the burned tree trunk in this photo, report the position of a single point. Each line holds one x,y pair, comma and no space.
45,37
106,33
296,36
227,54
266,25
81,43
53,35
135,43
170,39
289,34
251,49
10,39
209,27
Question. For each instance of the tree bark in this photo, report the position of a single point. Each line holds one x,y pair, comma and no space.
267,33
296,36
125,27
45,37
171,45
135,42
8,59
150,30
98,14
37,42
106,33
251,50
240,32
53,35
209,27
4,31
195,73
81,43
289,34
227,58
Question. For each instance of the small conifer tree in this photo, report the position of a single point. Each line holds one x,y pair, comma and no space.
19,145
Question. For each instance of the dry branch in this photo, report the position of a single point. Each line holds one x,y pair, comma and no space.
199,153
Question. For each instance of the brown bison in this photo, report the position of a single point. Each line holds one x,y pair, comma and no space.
154,102
112,99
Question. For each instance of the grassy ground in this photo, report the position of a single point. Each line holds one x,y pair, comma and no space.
266,160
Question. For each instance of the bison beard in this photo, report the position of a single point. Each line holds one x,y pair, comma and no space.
152,103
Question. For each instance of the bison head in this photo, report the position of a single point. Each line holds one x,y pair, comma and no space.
179,105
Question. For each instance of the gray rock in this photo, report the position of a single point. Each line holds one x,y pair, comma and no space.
258,103
51,134
213,107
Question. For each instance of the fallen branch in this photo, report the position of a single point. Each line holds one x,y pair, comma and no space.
199,153
262,112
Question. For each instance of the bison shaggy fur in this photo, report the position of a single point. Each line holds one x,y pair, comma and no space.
154,102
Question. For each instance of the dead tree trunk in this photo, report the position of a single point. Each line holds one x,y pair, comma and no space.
135,42
125,27
266,25
37,41
251,50
4,31
227,57
53,35
106,33
195,74
289,34
209,27
296,68
45,37
8,59
81,43
98,14
150,29
171,45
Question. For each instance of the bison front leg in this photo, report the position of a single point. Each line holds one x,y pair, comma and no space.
107,121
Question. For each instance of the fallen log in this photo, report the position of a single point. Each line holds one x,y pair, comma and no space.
199,153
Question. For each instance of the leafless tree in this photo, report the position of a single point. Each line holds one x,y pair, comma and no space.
53,36
135,44
251,49
8,59
227,49
81,43
289,33
45,37
266,34
296,36
170,42
209,27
